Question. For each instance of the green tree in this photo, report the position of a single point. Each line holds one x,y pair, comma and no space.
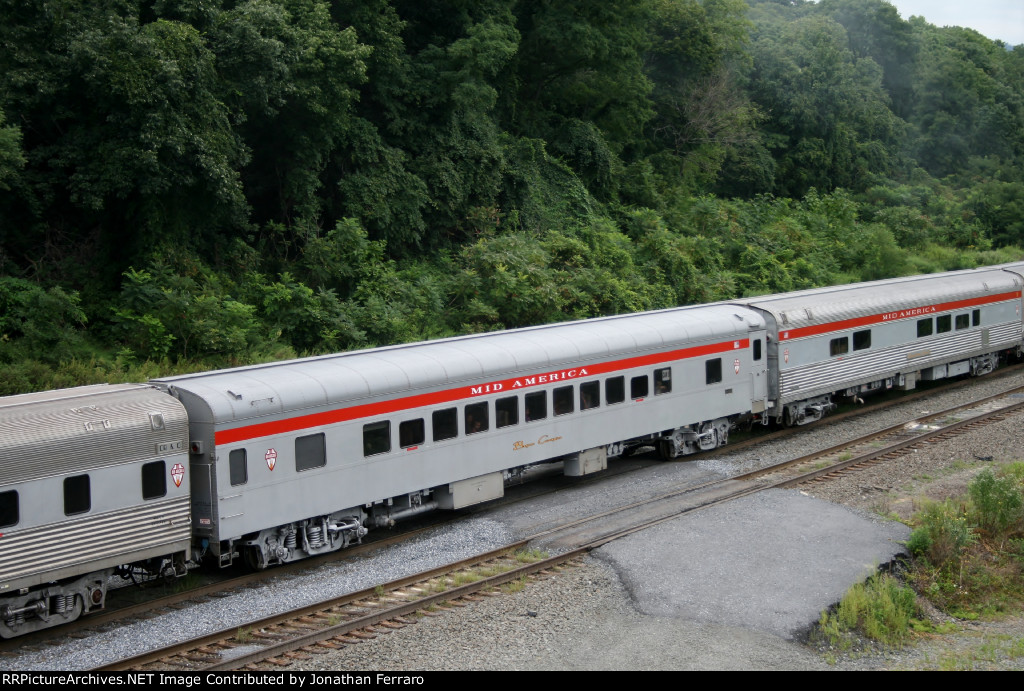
289,74
11,158
969,100
39,323
695,61
123,134
578,83
829,122
875,31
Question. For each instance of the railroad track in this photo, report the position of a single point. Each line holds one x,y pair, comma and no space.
273,641
898,440
280,640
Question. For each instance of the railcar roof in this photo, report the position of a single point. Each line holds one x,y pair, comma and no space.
64,395
54,432
837,303
271,388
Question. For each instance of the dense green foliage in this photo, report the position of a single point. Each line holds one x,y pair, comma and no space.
195,184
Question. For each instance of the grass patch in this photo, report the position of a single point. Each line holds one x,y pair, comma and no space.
529,556
990,653
466,577
880,609
516,586
244,635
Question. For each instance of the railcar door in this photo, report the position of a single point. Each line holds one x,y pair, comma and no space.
758,371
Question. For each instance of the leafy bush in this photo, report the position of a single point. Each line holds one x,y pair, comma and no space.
165,313
957,569
39,323
996,502
942,533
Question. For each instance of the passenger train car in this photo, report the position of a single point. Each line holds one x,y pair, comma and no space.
295,458
92,479
855,339
277,462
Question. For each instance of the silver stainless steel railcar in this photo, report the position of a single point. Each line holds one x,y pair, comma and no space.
295,458
854,339
92,479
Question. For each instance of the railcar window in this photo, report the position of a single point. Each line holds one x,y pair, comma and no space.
536,406
506,411
562,400
615,390
638,387
311,452
975,317
590,395
376,438
238,467
476,418
154,480
757,349
924,328
713,371
662,380
446,424
9,512
411,433
963,321
944,323
839,346
77,498
862,339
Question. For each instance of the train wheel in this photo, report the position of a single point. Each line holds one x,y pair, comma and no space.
254,558
665,450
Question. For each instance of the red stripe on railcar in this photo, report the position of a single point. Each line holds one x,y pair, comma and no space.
365,410
817,329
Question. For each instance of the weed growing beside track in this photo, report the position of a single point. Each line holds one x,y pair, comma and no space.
967,560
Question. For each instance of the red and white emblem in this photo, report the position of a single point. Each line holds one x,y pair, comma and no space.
785,354
177,474
736,365
271,457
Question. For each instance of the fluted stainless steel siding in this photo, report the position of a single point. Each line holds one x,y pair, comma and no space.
57,550
809,380
46,434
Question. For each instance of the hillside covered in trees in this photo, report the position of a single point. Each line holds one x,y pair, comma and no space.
201,183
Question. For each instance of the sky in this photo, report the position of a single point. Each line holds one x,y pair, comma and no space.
999,19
